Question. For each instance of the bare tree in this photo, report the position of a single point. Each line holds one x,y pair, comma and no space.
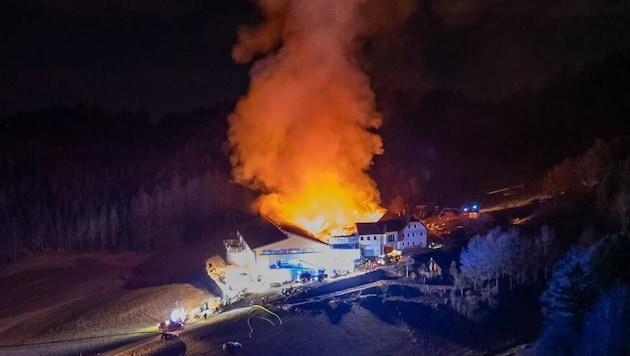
114,226
457,278
481,262
545,247
593,164
515,250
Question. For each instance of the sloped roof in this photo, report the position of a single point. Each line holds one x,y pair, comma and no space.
389,216
296,230
392,224
406,219
260,231
386,224
368,229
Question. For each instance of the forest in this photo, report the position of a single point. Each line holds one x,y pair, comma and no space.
582,292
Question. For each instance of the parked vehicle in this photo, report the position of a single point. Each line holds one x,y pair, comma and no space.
391,257
168,326
232,346
168,336
305,277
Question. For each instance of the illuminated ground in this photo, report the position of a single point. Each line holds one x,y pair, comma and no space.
95,300
103,302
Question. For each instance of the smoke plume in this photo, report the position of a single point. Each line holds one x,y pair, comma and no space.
303,135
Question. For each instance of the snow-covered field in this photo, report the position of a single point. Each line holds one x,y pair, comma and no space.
66,304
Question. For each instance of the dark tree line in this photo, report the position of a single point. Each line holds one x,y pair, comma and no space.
598,181
82,178
441,146
587,303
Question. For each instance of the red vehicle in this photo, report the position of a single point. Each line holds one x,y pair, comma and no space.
168,326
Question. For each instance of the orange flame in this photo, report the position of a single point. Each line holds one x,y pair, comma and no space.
301,135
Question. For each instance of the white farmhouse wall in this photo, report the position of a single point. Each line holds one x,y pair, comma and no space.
412,235
241,256
309,253
372,245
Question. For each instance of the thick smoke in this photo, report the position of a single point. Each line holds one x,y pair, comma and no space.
303,135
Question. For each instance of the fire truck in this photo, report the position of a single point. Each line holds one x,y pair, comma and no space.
391,257
169,325
175,322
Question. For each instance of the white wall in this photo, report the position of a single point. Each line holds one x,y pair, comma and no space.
317,257
372,242
412,235
244,258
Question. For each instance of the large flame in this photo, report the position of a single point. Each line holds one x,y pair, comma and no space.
302,134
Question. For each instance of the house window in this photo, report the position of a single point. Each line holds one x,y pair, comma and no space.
285,251
361,238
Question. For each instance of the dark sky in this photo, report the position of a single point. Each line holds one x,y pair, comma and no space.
165,55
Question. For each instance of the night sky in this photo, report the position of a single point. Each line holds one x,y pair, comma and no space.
170,55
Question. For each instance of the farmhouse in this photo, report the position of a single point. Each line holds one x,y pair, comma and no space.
273,253
277,253
390,233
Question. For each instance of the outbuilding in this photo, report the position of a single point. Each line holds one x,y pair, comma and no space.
274,253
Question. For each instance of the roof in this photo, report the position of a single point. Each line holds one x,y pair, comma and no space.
260,231
385,224
368,229
296,230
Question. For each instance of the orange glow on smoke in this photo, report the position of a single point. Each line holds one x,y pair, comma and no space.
302,134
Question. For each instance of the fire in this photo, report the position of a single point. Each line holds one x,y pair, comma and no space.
303,135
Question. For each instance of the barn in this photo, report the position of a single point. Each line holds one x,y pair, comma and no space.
277,253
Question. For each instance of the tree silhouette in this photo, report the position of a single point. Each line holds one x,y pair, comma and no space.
572,289
606,328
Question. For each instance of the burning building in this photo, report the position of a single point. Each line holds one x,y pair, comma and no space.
304,134
272,253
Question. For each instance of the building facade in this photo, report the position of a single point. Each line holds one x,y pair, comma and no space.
273,253
390,233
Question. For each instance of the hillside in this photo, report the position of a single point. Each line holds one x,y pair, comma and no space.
113,300
96,298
